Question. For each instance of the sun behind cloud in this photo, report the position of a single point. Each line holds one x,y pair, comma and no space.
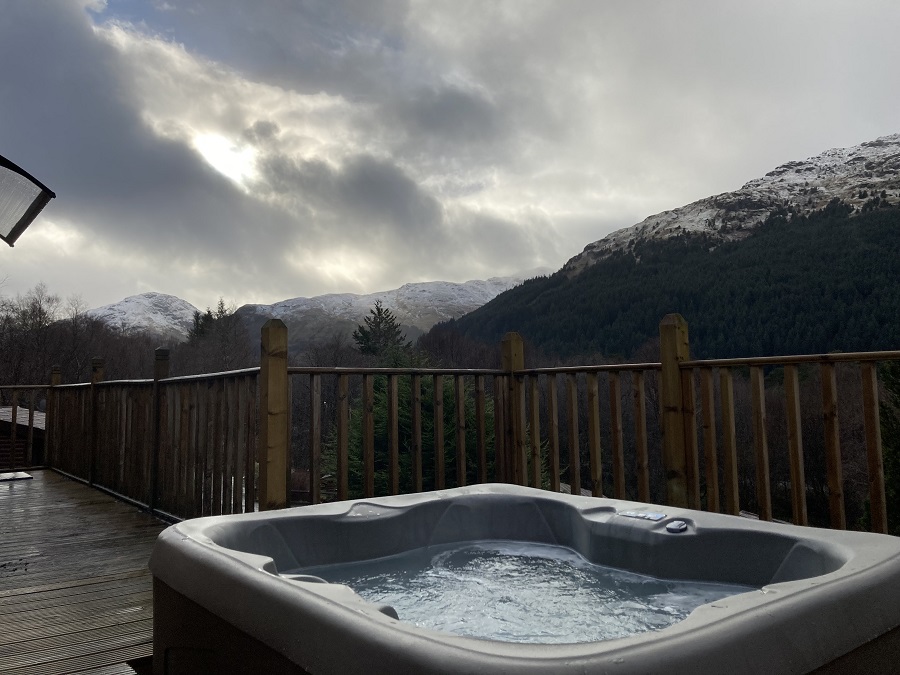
232,161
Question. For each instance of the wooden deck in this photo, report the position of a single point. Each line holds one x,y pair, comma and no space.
75,590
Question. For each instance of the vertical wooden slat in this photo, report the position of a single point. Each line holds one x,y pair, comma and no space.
729,442
368,436
234,420
642,460
460,400
315,438
593,412
480,431
240,449
874,460
13,429
416,395
691,453
795,444
500,469
760,443
393,435
833,448
519,441
207,445
218,448
710,451
572,419
438,417
673,349
617,435
185,486
553,430
343,436
29,441
253,414
535,425
198,456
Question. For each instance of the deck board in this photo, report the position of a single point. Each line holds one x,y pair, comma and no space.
75,590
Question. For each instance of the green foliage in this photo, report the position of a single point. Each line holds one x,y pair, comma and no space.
405,433
379,333
796,284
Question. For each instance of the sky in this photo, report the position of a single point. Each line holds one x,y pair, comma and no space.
265,150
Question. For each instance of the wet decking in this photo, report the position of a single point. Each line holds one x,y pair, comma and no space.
75,591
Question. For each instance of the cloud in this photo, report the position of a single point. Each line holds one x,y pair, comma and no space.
208,148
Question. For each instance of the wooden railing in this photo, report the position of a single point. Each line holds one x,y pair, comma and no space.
701,434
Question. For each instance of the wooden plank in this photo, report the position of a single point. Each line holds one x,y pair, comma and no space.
617,436
241,449
500,472
393,422
710,450
315,437
535,431
368,435
438,418
61,611
691,452
480,428
572,419
729,442
228,423
460,418
833,447
795,444
642,460
593,415
343,436
760,443
553,430
874,459
416,395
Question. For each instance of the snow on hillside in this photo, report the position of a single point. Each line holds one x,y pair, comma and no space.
420,304
852,174
165,315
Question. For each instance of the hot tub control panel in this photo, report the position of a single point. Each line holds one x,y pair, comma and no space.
643,515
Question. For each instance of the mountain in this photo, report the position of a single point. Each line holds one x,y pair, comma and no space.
854,175
417,306
164,315
801,260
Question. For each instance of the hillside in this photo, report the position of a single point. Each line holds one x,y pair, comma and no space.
794,284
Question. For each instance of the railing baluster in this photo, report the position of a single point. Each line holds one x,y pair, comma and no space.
872,425
642,460
460,400
553,431
343,437
393,436
593,410
480,428
417,432
760,443
535,431
691,456
795,444
710,454
368,435
574,454
729,442
315,438
439,432
833,447
616,435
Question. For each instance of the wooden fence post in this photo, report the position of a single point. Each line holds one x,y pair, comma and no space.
50,416
274,428
98,373
673,349
512,359
160,372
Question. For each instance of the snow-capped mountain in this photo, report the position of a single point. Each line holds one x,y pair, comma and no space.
854,175
417,306
165,315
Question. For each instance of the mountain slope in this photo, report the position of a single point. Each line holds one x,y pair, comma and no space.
168,316
855,175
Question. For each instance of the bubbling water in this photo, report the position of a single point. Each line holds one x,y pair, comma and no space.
522,592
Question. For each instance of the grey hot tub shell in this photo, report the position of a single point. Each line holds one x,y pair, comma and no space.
828,599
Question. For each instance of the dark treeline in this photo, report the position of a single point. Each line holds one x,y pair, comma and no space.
796,284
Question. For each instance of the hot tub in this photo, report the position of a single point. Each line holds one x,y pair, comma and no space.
231,593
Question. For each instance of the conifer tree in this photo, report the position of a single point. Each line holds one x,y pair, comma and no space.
380,332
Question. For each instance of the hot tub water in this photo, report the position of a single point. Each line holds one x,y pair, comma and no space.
521,592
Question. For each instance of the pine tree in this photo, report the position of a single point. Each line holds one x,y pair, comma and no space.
380,332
